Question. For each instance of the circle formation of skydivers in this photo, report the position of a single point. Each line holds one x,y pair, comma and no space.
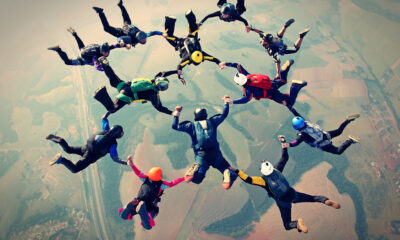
203,130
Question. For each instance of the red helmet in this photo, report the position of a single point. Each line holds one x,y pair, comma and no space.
155,174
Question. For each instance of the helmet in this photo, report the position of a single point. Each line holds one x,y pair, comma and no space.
140,36
298,123
240,79
104,47
266,168
155,174
161,83
228,8
267,37
197,57
200,114
116,131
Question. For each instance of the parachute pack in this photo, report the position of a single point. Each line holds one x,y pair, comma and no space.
206,137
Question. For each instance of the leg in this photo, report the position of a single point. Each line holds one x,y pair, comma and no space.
339,131
297,45
130,209
240,8
191,18
125,15
283,30
291,50
294,91
285,70
202,169
286,215
78,40
80,165
302,197
116,32
337,150
80,150
219,162
144,216
63,55
112,77
221,2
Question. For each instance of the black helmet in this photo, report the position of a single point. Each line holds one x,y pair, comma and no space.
200,114
268,37
228,8
140,36
161,83
116,131
104,47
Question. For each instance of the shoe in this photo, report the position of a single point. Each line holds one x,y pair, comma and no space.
72,31
332,204
354,139
289,22
300,82
97,9
56,160
103,60
191,171
304,32
287,64
53,138
227,179
54,48
301,226
353,116
120,3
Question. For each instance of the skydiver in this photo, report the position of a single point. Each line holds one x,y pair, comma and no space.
138,90
189,48
89,54
315,136
277,187
203,133
229,13
149,193
275,45
96,147
129,35
260,86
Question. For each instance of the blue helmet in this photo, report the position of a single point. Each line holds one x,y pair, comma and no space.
298,123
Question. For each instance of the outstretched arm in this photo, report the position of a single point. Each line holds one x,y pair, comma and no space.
280,165
210,58
259,181
218,119
114,155
153,33
173,183
156,102
185,126
211,15
138,173
240,18
239,67
166,73
299,139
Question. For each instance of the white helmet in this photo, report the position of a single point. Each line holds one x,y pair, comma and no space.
240,79
266,168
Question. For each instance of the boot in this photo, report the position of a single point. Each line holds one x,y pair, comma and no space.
53,138
191,171
332,204
56,160
300,82
354,139
301,226
287,64
55,48
227,179
98,10
72,31
289,22
304,32
120,3
353,116
102,96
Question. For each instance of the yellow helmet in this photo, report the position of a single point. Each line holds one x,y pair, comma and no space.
197,57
